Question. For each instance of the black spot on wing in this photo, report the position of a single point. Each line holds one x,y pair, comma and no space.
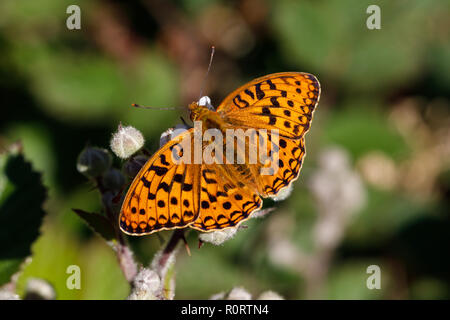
205,204
164,186
188,213
221,194
145,182
226,205
239,102
160,171
259,93
271,85
207,180
162,157
249,93
272,120
274,101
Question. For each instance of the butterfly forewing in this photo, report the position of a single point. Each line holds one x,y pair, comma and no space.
289,162
283,101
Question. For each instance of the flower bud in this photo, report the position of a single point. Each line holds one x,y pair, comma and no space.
113,180
239,293
283,194
132,166
39,289
147,286
171,133
93,161
126,141
270,295
165,137
6,294
218,237
262,212
218,296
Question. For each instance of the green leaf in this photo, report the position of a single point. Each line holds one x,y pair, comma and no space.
98,223
361,130
8,267
330,39
21,197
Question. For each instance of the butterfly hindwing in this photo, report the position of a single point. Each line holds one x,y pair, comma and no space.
223,202
164,194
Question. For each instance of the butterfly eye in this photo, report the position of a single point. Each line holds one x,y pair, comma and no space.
205,101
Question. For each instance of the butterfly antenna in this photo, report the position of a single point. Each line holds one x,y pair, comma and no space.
153,108
213,49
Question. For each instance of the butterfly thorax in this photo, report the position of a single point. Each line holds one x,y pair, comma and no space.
213,120
210,119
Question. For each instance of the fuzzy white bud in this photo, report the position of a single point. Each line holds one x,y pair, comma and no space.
5,294
218,296
93,161
239,294
126,141
171,133
218,237
283,194
147,286
261,213
39,289
270,295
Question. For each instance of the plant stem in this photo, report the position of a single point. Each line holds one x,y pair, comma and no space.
171,246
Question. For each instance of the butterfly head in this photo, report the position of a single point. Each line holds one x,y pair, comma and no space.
198,108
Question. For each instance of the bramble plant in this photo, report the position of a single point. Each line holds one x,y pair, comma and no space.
22,196
156,281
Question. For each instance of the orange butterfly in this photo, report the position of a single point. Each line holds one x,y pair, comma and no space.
168,194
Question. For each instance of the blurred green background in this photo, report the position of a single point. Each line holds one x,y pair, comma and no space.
375,185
